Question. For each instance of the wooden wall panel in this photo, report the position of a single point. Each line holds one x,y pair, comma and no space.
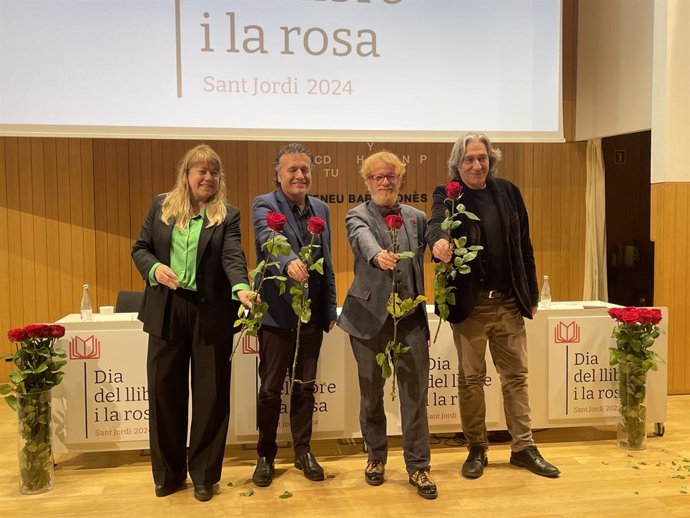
670,229
71,208
46,217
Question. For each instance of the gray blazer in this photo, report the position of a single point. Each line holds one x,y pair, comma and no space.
364,310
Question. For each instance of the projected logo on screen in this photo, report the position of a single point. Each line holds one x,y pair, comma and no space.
330,70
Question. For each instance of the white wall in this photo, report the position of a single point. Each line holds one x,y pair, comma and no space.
614,67
671,92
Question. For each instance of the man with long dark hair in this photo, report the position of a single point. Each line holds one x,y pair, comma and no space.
491,301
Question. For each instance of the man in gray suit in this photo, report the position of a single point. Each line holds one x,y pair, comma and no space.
365,318
278,331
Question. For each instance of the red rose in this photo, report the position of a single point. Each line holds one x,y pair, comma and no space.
614,313
57,331
394,221
37,331
17,335
655,316
453,190
630,315
275,221
646,316
316,226
43,331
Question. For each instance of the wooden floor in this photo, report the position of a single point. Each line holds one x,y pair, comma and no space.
598,479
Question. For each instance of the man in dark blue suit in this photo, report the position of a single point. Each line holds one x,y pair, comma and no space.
277,336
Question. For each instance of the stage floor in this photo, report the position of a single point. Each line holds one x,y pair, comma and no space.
598,479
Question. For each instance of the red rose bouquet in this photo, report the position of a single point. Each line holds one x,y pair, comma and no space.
635,332
38,365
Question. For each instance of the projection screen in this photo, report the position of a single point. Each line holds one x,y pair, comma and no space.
359,70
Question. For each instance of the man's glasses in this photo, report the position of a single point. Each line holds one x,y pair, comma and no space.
379,178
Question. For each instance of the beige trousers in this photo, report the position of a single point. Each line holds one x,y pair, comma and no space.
500,322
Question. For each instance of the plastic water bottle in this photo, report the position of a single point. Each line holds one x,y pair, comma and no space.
545,296
86,309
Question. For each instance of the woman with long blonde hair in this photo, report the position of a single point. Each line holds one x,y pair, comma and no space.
188,252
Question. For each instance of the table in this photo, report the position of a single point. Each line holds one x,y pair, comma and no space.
103,402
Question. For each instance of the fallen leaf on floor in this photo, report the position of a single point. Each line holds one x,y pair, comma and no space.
286,494
247,492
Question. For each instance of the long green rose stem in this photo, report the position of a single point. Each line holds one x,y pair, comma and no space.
444,272
256,294
394,360
438,328
299,324
633,411
35,459
394,355
294,359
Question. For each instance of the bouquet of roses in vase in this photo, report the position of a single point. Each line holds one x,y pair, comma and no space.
38,368
635,332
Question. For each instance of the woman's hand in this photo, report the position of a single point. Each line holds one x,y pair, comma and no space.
165,276
248,297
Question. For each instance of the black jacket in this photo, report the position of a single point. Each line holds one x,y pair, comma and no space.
513,215
219,266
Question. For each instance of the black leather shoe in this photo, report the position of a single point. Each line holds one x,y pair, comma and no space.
531,459
476,460
426,488
307,463
373,473
203,492
169,489
263,474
